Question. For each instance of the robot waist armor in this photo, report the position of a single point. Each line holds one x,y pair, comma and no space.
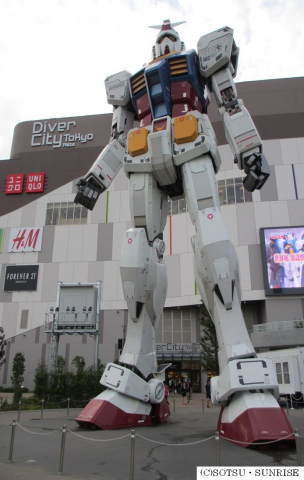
168,143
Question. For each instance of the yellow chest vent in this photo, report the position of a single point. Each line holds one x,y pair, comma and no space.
178,66
138,82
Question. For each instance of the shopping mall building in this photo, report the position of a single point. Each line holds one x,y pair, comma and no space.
45,238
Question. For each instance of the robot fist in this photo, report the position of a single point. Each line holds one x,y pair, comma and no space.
257,170
88,193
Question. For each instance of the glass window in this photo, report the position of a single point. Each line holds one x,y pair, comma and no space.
177,313
286,372
56,213
186,337
177,337
84,215
247,195
239,192
49,214
279,373
230,194
174,207
222,194
182,205
63,213
70,213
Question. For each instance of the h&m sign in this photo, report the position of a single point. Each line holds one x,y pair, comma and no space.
25,239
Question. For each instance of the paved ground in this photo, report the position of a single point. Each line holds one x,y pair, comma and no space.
38,441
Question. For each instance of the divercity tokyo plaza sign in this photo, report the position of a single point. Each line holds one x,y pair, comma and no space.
57,134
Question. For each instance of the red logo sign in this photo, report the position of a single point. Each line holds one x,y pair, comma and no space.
14,183
130,241
210,216
35,182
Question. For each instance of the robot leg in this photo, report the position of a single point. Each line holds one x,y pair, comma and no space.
133,392
246,387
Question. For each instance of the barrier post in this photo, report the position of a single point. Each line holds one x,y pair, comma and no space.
217,449
174,404
64,430
42,405
68,412
203,406
19,410
132,455
10,455
291,405
298,447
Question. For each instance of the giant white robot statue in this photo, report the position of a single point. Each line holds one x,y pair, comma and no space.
174,153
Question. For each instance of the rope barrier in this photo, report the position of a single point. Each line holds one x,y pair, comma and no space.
98,440
175,444
257,443
36,433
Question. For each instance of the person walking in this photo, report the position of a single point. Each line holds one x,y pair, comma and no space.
208,393
166,392
184,392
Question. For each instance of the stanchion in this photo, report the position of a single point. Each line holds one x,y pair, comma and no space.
291,405
217,449
10,455
42,405
203,406
174,404
64,430
298,447
68,412
132,455
19,410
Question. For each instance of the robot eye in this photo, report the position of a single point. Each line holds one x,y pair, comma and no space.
170,37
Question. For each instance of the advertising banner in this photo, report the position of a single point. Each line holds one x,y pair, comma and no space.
25,239
21,278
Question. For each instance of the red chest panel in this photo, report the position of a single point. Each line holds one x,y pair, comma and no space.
184,99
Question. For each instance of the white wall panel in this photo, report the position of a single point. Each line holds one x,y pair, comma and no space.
290,152
300,145
61,239
299,173
190,233
74,242
273,152
279,213
179,233
14,218
262,217
111,270
114,206
242,253
80,272
89,244
119,230
35,296
41,210
285,183
98,214
4,221
230,220
39,311
125,215
65,273
187,275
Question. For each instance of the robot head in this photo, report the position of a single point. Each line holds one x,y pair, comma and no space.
167,40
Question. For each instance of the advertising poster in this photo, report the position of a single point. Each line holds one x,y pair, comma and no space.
21,278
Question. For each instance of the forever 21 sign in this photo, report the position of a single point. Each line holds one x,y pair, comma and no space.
21,278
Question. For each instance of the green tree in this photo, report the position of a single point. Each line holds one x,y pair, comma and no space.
79,363
209,344
41,380
17,375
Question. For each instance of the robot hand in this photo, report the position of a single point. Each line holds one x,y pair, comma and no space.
257,170
88,193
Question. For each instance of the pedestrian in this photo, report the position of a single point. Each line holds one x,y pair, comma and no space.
184,392
208,393
179,386
191,390
188,392
166,392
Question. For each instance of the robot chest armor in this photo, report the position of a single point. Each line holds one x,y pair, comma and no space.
170,86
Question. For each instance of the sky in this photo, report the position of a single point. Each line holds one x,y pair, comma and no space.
55,54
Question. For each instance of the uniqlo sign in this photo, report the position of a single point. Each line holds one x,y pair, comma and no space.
14,183
34,182
25,239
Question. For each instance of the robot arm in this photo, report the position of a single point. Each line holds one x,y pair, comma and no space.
218,57
108,163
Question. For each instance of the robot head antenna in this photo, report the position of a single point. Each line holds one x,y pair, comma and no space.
167,40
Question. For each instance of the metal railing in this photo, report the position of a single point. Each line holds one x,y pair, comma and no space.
274,326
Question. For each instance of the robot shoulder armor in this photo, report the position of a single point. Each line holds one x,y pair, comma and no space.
117,88
217,50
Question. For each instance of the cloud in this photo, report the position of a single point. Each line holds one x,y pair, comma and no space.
55,55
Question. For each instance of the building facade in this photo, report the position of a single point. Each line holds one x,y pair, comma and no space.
45,238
